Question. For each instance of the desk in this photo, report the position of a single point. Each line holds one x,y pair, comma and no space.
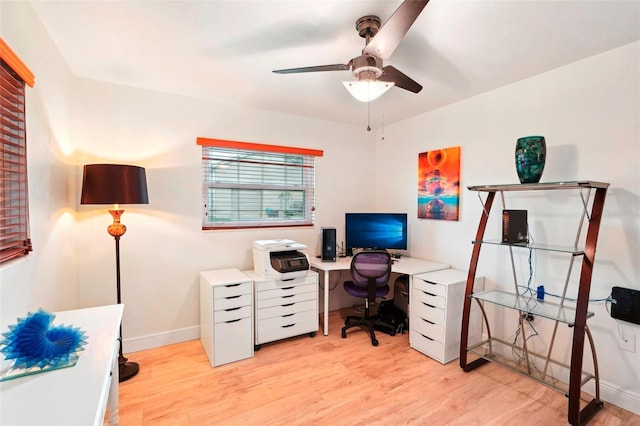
405,265
75,395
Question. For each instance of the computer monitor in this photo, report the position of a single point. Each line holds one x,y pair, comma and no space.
385,231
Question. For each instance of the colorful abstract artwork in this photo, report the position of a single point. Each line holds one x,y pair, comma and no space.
439,184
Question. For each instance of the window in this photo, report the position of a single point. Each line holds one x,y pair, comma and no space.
14,202
247,185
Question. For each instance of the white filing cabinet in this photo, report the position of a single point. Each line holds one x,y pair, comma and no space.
226,315
436,301
285,308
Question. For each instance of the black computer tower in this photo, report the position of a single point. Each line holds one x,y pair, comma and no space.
329,244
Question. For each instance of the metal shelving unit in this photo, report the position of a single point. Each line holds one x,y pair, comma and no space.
491,348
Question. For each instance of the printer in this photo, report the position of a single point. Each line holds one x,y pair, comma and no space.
279,259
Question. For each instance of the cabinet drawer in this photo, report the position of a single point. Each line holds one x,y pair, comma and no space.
310,278
430,299
429,287
273,331
284,300
223,303
288,319
232,314
228,290
427,328
287,291
286,309
232,341
427,346
430,313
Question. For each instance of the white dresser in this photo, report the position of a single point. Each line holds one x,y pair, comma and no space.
226,315
436,301
284,308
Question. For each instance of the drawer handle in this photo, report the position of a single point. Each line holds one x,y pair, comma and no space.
232,297
287,304
426,304
426,320
233,285
426,337
233,309
430,294
288,315
287,288
235,320
288,295
288,325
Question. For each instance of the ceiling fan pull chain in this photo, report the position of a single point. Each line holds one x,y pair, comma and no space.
382,105
369,116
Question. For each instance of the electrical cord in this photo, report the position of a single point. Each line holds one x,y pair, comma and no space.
619,327
518,353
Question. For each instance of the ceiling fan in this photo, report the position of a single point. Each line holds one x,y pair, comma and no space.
374,79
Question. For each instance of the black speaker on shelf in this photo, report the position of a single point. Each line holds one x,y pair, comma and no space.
514,227
329,244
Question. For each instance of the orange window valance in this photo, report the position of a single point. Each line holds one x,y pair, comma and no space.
252,146
9,56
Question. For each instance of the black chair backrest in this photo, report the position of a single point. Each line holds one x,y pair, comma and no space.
371,269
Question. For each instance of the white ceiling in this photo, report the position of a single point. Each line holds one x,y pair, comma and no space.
227,49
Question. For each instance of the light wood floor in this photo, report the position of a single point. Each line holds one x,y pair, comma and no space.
328,380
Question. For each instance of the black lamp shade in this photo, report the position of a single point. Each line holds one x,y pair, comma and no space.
114,184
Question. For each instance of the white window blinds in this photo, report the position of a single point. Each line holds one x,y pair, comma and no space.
253,185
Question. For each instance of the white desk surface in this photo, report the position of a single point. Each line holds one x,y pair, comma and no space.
70,396
405,265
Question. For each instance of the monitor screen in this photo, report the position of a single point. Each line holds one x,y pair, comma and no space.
375,231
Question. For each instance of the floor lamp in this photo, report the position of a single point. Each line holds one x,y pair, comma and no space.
116,184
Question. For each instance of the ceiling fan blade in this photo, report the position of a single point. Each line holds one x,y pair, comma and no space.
400,79
335,67
391,33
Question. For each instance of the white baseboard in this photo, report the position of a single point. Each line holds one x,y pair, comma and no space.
151,341
612,395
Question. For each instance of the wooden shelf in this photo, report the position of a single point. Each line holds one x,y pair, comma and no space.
545,186
575,315
493,349
530,305
537,246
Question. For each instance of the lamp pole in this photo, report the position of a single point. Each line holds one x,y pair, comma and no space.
117,229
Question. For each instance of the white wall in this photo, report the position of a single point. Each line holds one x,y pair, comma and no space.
589,113
73,121
47,277
164,248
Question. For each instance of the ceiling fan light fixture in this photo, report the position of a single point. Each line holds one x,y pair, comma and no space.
367,90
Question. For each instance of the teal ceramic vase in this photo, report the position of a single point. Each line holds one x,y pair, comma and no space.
531,153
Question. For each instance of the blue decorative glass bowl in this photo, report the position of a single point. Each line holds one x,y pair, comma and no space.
33,346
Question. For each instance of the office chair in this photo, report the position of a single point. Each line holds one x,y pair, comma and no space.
370,273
